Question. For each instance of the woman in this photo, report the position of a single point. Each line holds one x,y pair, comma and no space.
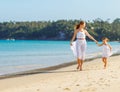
80,34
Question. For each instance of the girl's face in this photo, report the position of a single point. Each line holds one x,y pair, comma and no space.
105,40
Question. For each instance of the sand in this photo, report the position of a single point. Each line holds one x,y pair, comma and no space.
93,78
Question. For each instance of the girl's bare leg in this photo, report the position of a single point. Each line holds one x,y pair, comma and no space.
105,61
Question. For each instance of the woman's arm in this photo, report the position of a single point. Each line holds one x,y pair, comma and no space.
90,36
74,36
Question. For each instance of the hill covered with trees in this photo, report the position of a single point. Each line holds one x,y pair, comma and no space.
58,30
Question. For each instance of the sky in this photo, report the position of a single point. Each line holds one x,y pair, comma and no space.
53,10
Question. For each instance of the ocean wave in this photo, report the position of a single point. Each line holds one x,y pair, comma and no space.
46,54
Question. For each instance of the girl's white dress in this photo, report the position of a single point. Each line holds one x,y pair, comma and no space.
106,51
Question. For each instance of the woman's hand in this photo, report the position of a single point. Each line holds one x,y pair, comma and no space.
96,42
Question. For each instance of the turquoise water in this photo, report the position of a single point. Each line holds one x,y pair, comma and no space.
21,55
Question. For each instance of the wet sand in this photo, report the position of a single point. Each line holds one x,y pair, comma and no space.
93,78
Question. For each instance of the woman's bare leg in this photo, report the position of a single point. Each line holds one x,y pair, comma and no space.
81,63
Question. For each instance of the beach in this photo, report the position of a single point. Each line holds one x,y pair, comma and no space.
93,78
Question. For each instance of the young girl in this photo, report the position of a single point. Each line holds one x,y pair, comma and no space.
106,50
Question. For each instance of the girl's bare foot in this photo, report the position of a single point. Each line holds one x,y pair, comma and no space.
104,66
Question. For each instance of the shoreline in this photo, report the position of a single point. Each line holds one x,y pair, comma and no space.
93,78
46,69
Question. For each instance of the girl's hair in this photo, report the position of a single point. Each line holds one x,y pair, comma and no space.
78,25
105,38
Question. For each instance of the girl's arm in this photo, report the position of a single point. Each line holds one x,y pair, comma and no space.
110,47
74,36
90,36
100,44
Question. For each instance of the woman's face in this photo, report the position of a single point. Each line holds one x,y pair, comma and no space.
83,26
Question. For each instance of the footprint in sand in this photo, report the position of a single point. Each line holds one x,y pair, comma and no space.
108,80
88,90
89,85
114,77
38,89
107,84
68,89
77,85
101,79
111,71
26,87
59,87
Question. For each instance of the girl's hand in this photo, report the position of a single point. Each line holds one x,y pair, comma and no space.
71,43
97,44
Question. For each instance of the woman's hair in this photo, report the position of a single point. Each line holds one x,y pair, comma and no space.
105,38
78,25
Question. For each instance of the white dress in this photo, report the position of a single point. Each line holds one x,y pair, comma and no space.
79,46
106,51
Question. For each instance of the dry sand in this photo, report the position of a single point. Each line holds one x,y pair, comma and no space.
93,78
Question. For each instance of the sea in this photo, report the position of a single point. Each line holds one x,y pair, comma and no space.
23,55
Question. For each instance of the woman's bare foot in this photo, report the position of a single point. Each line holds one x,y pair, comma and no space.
77,67
80,68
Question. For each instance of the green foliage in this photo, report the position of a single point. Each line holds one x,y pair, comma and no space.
58,30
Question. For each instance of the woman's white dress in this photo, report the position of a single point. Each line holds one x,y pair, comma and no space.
79,46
